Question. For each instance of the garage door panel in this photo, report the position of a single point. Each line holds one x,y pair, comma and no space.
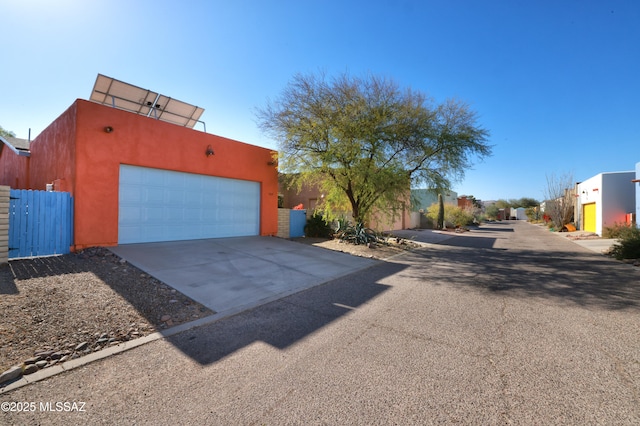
130,194
161,205
174,196
132,176
225,215
174,214
193,197
193,215
129,215
153,195
209,203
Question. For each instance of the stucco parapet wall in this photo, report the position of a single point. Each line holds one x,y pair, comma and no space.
4,224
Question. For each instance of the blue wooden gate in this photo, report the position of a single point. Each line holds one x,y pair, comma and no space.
297,221
40,223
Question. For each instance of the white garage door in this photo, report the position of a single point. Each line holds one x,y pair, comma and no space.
162,205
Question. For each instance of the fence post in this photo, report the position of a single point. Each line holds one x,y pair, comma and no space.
283,223
4,224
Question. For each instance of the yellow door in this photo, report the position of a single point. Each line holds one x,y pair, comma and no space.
589,217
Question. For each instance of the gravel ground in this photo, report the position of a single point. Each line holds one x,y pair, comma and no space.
57,308
392,247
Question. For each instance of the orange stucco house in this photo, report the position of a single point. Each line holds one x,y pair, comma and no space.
135,178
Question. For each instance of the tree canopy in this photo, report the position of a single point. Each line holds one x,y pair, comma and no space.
525,202
366,140
6,133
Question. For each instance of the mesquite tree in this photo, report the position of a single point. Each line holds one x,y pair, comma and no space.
365,141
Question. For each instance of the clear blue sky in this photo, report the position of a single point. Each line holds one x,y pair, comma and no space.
557,83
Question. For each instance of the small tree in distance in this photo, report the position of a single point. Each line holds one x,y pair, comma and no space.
492,212
560,199
525,202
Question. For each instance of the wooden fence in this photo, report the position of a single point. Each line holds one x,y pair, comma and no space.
40,223
4,224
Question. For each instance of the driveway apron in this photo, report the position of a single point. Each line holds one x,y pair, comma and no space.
232,274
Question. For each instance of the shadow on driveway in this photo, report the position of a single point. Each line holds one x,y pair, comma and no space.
279,323
284,322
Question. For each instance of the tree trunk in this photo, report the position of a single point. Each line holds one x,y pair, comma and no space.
355,212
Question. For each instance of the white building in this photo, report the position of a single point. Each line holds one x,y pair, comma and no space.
604,200
518,213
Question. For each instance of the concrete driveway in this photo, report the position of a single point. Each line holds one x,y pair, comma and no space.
233,274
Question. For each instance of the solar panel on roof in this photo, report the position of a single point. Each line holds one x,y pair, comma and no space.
118,94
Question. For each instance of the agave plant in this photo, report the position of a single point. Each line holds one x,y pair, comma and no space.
358,234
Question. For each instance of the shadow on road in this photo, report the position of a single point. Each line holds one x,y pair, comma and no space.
468,241
580,277
286,321
280,323
7,283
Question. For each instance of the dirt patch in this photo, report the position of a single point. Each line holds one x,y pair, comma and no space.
59,308
390,247
583,236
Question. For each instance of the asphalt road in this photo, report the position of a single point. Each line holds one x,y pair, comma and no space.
508,324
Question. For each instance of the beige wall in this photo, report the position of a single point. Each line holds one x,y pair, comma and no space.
309,197
387,222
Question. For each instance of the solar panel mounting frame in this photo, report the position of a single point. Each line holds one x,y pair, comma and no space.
125,96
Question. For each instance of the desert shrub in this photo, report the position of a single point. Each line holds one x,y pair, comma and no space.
619,230
533,214
628,245
492,212
460,217
454,216
317,227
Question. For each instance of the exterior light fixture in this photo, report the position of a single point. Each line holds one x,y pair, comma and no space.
209,152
